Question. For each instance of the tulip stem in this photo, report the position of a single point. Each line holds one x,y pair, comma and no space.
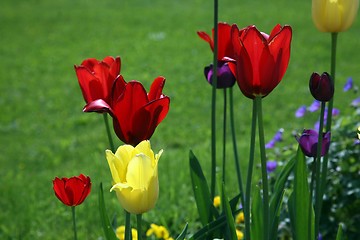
313,173
318,192
249,173
74,222
213,104
127,226
224,137
236,157
139,223
108,132
265,184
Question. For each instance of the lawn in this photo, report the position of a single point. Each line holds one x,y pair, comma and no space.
45,134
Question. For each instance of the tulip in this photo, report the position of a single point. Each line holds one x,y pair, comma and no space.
225,49
334,15
135,113
96,78
72,191
321,87
261,59
134,172
225,78
308,142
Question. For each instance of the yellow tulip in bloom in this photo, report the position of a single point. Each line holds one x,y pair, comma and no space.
134,172
159,231
334,15
120,233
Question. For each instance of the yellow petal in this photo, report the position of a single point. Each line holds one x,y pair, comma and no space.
139,172
145,148
114,166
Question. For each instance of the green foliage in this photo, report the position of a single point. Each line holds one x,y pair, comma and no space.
107,227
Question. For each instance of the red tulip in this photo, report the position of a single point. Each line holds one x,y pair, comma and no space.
225,48
97,77
135,113
261,59
72,191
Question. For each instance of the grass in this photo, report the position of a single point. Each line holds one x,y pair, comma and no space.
44,133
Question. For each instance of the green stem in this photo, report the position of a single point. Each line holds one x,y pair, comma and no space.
213,104
264,175
313,173
236,157
139,223
74,222
224,137
318,193
108,132
127,226
249,174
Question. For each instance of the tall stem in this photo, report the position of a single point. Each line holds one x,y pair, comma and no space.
312,181
127,226
263,169
236,157
74,222
213,103
249,174
224,137
139,223
108,132
318,193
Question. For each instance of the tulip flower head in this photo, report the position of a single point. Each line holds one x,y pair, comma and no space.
321,87
96,78
134,172
261,59
72,191
308,142
225,78
334,15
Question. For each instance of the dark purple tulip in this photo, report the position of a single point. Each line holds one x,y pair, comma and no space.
321,87
314,106
348,85
225,77
271,166
300,112
308,142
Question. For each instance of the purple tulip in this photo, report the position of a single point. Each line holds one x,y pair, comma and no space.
225,78
314,106
348,85
308,142
300,112
321,87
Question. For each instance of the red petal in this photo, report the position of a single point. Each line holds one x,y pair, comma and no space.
225,48
99,106
207,38
117,89
84,78
156,88
59,189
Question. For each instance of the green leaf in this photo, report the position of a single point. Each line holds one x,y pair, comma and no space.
339,235
183,233
203,200
277,197
108,230
300,201
228,213
257,216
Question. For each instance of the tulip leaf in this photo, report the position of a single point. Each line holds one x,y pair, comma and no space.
108,230
257,216
277,197
339,235
201,190
299,201
230,226
183,233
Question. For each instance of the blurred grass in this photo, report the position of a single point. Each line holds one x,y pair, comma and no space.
45,134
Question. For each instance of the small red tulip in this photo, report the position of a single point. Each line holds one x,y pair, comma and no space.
72,191
261,59
321,87
97,77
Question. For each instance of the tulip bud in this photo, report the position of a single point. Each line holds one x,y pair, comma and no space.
308,142
334,15
321,87
225,78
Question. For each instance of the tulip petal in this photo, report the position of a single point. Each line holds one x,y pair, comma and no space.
145,148
117,168
156,88
59,189
207,38
98,105
139,172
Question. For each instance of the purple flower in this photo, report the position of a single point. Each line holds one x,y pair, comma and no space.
225,78
270,144
314,106
277,138
271,166
300,112
348,85
321,86
308,142
355,102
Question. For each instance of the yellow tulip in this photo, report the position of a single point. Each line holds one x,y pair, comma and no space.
134,172
334,15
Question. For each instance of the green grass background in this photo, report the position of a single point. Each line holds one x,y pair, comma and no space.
43,132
